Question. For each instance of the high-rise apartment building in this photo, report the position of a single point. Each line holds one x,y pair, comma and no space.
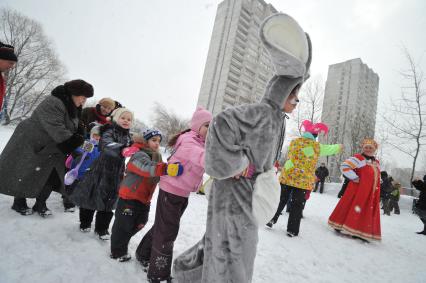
349,108
238,67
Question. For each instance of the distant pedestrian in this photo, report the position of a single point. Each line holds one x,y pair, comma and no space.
321,173
420,208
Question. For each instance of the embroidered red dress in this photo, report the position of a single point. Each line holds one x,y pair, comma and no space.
358,211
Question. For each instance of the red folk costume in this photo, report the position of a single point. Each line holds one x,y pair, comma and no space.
358,211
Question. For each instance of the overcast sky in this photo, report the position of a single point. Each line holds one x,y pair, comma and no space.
139,52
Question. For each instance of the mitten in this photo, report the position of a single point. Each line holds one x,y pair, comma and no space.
71,144
129,151
174,169
249,171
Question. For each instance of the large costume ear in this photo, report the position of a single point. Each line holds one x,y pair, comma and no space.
288,45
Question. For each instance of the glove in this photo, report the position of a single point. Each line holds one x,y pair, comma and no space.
249,171
71,144
87,146
174,169
129,151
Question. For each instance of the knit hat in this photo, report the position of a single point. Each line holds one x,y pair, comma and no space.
149,133
7,52
107,102
96,130
79,88
200,116
118,112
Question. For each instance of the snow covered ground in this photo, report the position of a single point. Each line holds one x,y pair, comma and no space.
33,249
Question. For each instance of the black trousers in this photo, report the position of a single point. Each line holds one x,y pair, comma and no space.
157,244
321,182
297,202
103,219
343,189
52,183
130,217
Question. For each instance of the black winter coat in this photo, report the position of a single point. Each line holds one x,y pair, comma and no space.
321,173
421,186
98,189
39,146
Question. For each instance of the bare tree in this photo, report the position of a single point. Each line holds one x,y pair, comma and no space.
37,71
407,118
311,98
168,122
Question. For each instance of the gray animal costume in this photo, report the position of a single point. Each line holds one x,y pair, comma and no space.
238,136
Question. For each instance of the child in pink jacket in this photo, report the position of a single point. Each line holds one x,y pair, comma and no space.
156,248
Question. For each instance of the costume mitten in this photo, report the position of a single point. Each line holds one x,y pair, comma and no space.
71,144
129,151
174,169
88,146
249,171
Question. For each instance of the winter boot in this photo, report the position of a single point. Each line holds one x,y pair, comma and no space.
421,232
271,223
122,258
291,234
85,229
20,206
103,235
69,209
154,280
42,209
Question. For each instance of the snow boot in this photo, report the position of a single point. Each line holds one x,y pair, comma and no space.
421,232
271,223
20,206
42,209
122,258
85,230
153,280
103,235
291,234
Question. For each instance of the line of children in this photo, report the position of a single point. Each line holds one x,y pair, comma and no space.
143,173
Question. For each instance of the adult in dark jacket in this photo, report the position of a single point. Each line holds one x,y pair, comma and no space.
99,113
386,189
321,173
8,60
420,207
33,161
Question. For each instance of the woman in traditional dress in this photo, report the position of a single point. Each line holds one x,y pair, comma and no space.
358,211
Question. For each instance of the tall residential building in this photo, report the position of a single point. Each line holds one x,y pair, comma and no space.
349,108
238,67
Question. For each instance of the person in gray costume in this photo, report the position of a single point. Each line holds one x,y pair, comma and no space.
247,135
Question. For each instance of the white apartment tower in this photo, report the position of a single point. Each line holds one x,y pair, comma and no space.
349,108
238,67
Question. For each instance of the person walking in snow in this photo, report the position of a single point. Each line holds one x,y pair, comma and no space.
386,189
244,142
8,60
298,174
142,176
321,173
98,190
358,211
394,197
33,162
420,208
156,247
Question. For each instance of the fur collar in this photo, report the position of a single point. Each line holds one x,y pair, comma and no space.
61,93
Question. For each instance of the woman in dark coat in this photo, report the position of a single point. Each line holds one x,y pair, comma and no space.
420,207
33,161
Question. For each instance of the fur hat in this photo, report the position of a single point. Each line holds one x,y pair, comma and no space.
200,117
7,52
149,133
79,88
107,102
118,112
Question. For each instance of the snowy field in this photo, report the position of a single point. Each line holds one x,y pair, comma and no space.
53,250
